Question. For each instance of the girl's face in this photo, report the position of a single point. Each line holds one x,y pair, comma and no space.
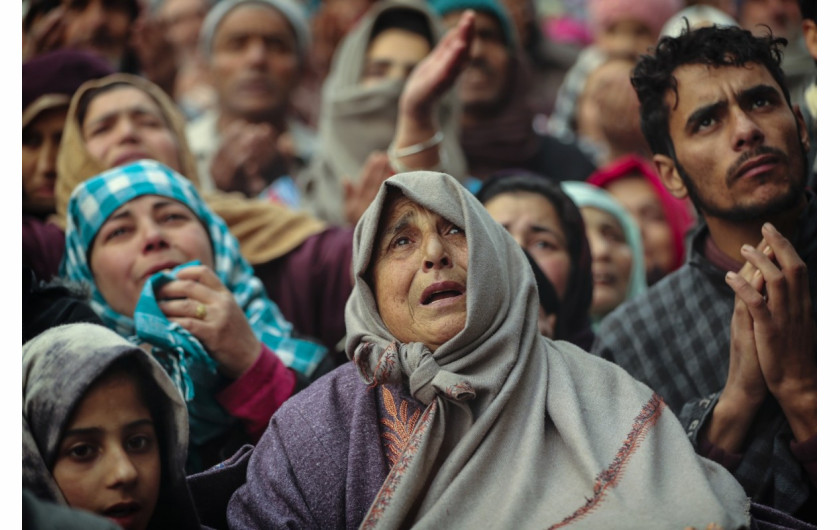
108,461
612,260
144,236
125,124
533,222
639,198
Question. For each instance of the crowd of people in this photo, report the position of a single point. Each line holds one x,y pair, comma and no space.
432,263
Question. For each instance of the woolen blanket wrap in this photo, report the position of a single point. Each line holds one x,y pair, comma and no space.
520,431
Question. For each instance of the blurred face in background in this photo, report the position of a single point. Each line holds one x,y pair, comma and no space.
254,64
124,124
625,36
182,21
483,86
639,198
781,16
392,55
612,260
41,138
100,26
533,222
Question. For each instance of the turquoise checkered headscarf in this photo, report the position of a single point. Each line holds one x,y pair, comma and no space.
90,205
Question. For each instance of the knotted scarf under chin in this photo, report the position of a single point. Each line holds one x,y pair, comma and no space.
414,361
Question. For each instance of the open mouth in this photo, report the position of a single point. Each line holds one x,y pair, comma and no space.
122,510
441,291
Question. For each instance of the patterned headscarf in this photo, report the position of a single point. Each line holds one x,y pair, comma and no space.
518,430
94,200
59,366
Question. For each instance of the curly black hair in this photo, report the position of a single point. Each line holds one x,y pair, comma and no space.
653,76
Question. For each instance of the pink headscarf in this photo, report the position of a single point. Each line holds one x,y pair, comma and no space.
654,13
678,212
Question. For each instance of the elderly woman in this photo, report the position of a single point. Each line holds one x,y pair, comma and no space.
165,271
547,224
618,262
104,429
457,413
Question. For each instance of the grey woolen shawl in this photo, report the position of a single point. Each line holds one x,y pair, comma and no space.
357,120
520,431
59,366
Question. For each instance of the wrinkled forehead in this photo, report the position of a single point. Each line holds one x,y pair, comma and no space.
704,84
398,211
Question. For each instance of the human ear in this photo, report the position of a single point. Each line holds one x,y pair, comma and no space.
667,169
804,139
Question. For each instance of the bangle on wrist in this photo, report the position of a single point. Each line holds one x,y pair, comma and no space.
416,148
394,154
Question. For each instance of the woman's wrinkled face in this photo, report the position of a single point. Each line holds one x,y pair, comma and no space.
533,222
420,274
392,55
125,124
639,198
144,236
612,260
108,461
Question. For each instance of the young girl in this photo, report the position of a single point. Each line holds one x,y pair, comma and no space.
104,429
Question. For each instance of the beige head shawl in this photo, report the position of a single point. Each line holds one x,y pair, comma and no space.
357,120
520,431
265,231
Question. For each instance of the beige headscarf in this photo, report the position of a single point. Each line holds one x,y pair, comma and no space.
265,231
357,120
520,431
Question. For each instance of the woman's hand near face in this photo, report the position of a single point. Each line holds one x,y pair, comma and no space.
224,330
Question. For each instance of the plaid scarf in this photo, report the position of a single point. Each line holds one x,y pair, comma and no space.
94,200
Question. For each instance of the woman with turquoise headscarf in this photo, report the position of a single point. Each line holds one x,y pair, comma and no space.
165,272
618,259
